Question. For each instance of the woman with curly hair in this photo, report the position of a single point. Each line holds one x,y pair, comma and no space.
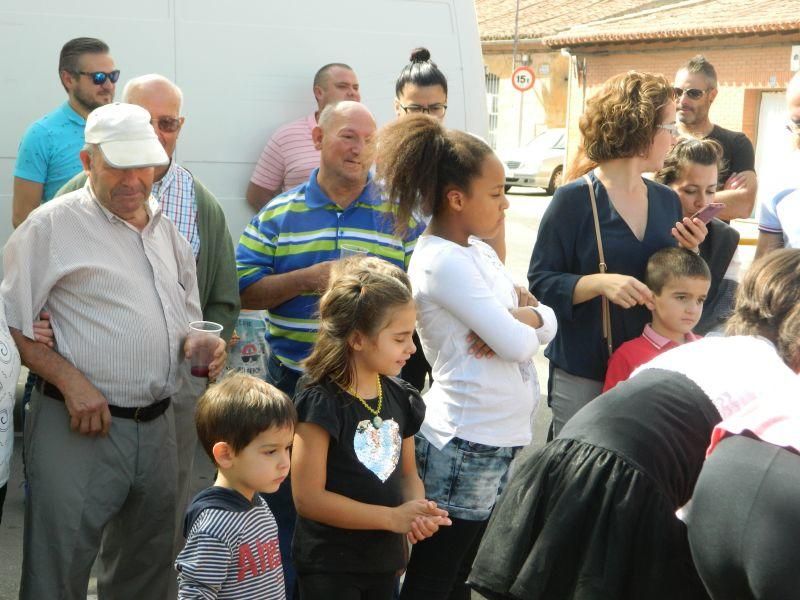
627,130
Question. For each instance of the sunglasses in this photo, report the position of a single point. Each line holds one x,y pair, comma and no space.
436,110
99,78
166,124
693,93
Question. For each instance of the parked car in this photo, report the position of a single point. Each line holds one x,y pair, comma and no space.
539,164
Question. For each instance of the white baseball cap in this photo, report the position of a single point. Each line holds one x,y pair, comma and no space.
125,136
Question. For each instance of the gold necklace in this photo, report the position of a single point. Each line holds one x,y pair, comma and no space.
376,419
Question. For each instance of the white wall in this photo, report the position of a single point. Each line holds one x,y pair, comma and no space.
245,68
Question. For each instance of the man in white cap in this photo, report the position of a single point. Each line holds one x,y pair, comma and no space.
120,285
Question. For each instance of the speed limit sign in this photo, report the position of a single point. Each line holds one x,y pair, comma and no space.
523,78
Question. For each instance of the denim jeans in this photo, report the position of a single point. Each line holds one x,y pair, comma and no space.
464,478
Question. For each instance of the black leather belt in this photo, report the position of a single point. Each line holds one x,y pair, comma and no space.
140,414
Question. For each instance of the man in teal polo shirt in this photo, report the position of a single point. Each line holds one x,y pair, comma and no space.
48,153
286,252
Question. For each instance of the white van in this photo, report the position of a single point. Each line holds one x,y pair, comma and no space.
245,68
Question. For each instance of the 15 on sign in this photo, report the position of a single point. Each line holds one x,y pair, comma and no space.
523,78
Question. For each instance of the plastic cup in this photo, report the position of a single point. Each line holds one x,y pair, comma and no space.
203,341
350,250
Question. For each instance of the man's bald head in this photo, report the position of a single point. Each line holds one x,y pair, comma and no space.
347,110
345,137
149,85
163,100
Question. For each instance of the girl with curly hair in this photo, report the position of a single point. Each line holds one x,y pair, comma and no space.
627,130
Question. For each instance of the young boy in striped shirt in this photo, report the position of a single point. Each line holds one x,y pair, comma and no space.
246,427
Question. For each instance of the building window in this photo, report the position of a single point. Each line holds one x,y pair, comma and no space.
492,103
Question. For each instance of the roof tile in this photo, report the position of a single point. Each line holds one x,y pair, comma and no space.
684,20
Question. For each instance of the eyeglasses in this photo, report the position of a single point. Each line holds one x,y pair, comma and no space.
693,93
435,110
671,127
99,78
166,124
793,127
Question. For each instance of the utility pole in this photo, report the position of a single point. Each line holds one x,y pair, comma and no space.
513,67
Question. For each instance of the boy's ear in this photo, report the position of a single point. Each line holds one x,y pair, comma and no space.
223,454
650,305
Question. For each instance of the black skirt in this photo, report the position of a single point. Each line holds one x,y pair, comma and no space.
592,514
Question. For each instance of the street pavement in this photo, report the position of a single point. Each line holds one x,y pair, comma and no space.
522,222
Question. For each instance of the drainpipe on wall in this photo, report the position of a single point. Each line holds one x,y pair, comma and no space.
572,71
577,75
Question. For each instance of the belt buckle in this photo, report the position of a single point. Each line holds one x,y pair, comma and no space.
136,415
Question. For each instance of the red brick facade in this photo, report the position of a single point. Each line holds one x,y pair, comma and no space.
745,67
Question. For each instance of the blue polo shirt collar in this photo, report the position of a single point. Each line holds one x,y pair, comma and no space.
316,198
71,115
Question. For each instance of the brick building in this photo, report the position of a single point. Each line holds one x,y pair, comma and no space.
751,43
516,118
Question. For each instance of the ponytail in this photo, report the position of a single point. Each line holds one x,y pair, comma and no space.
418,160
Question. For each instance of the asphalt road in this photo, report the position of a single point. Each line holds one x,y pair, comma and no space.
522,222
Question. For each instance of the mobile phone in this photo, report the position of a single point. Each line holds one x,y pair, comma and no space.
708,212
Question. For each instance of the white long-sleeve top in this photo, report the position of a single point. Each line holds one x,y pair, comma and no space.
460,289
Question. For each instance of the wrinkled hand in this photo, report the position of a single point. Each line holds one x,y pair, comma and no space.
625,291
690,233
87,408
218,358
478,347
403,516
42,332
318,275
425,527
524,297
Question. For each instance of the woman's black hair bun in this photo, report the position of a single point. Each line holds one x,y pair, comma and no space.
419,55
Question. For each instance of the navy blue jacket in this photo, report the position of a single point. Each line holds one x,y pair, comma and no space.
566,250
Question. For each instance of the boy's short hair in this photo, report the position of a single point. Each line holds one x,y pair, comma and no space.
672,263
237,409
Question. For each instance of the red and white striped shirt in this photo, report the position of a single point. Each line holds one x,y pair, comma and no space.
289,157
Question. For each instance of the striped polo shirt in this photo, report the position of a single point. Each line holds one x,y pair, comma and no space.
289,156
303,227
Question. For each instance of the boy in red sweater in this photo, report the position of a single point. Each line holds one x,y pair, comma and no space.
679,280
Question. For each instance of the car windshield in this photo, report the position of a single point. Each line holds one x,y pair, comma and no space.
552,138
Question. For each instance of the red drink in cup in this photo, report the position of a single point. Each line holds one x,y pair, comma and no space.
203,341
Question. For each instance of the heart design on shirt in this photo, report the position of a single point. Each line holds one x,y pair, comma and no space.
378,449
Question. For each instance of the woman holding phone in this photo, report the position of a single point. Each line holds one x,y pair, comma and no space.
690,169
627,130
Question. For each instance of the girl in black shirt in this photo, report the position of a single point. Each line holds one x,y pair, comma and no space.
354,480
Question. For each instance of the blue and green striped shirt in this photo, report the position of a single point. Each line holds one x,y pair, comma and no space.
301,228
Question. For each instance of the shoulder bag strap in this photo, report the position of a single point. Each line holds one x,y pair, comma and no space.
606,309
